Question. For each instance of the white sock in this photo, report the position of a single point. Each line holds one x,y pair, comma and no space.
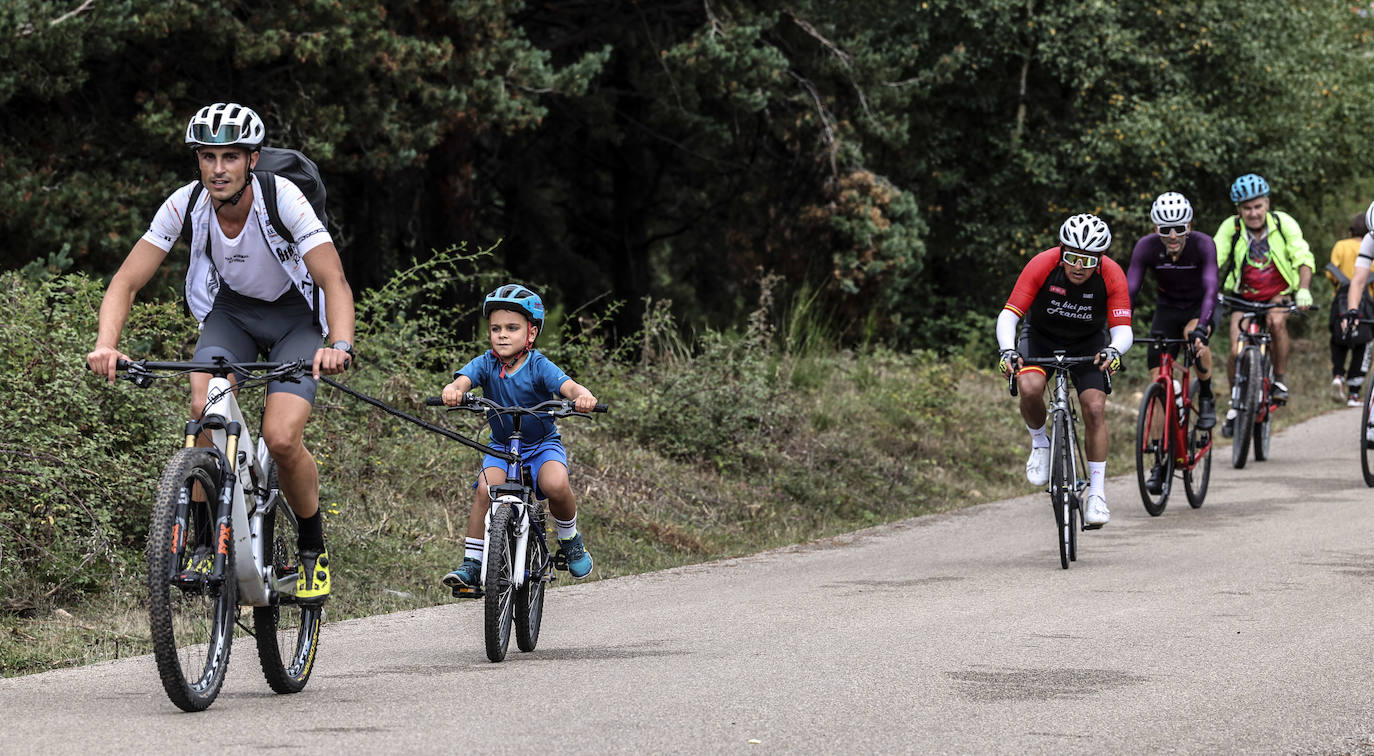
1097,474
473,547
1039,439
566,528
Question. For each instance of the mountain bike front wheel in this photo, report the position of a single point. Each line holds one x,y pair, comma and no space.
287,633
192,621
529,598
1248,374
500,583
1153,457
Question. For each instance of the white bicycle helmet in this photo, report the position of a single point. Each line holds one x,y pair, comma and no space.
1171,209
225,123
1087,232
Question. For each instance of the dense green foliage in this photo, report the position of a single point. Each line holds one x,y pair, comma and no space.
870,153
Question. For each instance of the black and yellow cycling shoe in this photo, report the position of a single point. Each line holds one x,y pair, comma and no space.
312,582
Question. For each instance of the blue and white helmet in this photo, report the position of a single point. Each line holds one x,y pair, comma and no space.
1248,187
518,298
1170,209
225,123
1087,232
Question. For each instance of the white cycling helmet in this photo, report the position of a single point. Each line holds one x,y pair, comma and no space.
225,123
1087,232
1170,209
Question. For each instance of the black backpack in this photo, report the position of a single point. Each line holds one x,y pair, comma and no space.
275,161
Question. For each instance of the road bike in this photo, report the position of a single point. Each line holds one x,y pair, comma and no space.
1167,436
517,566
222,536
1252,393
1067,466
1367,426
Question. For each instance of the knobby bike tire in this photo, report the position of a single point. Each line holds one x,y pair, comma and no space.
500,583
1152,450
1247,372
192,622
1195,478
287,633
529,598
1061,489
1367,446
1263,428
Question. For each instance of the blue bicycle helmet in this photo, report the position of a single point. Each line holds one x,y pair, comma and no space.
1248,187
517,298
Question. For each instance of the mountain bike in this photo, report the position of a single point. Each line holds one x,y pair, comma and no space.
222,536
1252,394
1167,436
517,566
1067,465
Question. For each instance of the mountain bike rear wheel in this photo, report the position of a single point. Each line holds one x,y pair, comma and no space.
1264,416
288,634
529,598
500,583
1152,452
1248,374
1366,445
192,621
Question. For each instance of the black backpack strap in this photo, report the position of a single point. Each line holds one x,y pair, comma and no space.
1225,272
268,181
186,216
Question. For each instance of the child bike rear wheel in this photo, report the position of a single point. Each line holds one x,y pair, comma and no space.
529,598
500,583
192,621
288,634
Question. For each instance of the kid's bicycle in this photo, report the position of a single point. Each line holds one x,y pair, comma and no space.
1167,436
1067,466
221,537
1252,395
517,566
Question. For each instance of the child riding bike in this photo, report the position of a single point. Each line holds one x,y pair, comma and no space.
515,373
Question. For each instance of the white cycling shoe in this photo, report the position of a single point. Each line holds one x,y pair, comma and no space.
1096,513
1038,466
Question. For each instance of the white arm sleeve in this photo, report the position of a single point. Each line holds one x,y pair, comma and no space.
1366,252
1006,329
1122,338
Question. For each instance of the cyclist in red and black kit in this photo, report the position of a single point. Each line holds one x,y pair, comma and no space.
1184,262
1072,299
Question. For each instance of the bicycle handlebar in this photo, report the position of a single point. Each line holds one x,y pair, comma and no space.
140,372
1058,362
553,407
1245,305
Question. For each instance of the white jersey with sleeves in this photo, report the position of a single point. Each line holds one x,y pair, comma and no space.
206,271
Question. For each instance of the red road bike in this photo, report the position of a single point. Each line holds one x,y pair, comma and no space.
1167,437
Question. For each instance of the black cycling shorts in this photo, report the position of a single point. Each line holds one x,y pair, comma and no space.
1084,376
241,329
1168,322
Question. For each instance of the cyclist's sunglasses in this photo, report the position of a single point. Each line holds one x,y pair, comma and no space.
1079,258
227,133
1172,230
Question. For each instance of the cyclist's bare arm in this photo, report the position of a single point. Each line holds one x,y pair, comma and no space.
326,269
453,393
583,399
138,268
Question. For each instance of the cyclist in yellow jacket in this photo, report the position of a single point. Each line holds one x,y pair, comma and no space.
1262,257
1346,381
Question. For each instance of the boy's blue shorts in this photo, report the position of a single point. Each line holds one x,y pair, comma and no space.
534,457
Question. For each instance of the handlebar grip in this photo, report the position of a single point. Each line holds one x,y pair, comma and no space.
1011,385
122,364
434,401
601,407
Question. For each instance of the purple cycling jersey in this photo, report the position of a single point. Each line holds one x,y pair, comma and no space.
1188,282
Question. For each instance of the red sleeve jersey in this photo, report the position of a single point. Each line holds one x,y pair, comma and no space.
1061,312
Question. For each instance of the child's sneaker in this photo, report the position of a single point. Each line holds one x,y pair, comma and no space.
575,556
466,581
312,581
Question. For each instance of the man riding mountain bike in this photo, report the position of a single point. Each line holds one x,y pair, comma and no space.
252,291
1074,299
1262,257
1184,262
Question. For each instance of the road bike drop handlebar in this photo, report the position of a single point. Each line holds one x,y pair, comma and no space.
1060,362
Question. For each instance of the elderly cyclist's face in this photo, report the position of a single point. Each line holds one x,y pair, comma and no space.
1253,212
224,170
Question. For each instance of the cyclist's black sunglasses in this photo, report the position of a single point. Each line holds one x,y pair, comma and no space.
1172,230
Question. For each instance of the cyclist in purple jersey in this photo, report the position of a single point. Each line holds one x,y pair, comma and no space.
1185,268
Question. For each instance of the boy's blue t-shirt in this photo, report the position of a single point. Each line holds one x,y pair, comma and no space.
535,381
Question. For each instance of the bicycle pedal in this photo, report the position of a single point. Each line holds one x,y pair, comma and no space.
560,561
1090,526
466,592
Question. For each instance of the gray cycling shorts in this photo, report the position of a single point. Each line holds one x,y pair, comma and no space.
245,329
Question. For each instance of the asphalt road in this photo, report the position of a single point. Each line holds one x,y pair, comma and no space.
1240,627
